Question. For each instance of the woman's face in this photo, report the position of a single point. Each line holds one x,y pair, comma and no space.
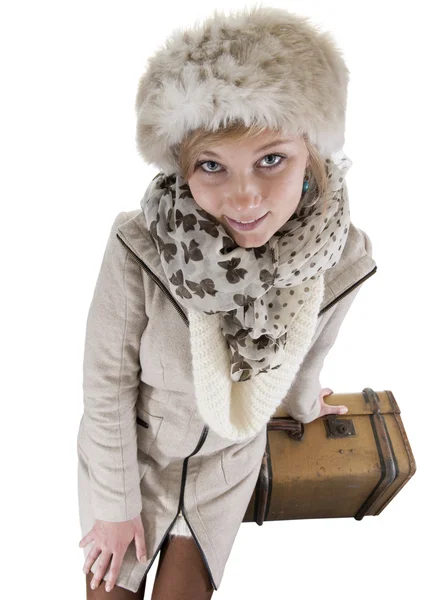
244,181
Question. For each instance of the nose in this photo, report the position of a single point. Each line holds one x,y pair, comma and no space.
244,201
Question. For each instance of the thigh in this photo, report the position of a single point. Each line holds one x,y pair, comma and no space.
181,573
117,592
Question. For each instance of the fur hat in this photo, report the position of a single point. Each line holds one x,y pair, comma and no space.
259,65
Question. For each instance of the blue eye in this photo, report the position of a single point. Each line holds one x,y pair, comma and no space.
205,163
268,167
277,163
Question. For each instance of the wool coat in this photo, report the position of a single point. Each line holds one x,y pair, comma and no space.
142,446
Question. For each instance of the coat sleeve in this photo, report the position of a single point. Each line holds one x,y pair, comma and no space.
302,399
111,375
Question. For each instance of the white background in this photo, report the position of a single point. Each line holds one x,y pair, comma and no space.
69,164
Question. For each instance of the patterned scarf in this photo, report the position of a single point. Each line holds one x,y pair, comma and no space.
257,291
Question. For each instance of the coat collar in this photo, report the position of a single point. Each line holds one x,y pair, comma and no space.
355,265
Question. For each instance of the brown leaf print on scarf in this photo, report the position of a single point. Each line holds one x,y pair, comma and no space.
177,280
268,278
281,341
240,364
187,221
206,286
263,370
231,319
209,228
259,252
233,275
268,368
279,234
169,228
185,189
261,342
207,216
166,181
153,229
228,244
238,338
169,250
191,253
244,301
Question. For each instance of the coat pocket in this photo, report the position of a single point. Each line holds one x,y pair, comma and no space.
148,428
239,460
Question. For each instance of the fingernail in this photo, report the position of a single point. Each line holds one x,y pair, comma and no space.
108,587
343,410
142,558
93,585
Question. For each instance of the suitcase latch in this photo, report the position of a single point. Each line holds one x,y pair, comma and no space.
339,428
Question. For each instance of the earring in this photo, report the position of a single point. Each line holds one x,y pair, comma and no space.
305,183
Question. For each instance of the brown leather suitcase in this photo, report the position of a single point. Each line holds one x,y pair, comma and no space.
349,465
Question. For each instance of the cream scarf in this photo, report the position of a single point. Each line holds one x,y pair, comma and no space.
252,311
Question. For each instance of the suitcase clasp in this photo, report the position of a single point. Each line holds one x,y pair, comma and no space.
339,428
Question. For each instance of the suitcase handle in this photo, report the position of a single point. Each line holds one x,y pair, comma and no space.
295,429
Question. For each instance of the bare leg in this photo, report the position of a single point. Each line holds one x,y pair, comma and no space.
181,573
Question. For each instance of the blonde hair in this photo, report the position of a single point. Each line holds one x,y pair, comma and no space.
199,140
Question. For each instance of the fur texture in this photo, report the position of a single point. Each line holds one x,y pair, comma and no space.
257,64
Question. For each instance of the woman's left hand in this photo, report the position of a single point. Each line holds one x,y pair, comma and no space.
327,409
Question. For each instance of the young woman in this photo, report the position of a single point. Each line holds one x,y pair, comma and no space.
218,300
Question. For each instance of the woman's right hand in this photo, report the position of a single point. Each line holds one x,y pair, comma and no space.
112,540
330,409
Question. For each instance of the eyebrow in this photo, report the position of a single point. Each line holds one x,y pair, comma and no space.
275,143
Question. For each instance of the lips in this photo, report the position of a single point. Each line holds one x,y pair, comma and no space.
244,221
246,226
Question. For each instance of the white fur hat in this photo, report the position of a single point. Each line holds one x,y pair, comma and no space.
260,65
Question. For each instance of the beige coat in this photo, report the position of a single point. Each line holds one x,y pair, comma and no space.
142,446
